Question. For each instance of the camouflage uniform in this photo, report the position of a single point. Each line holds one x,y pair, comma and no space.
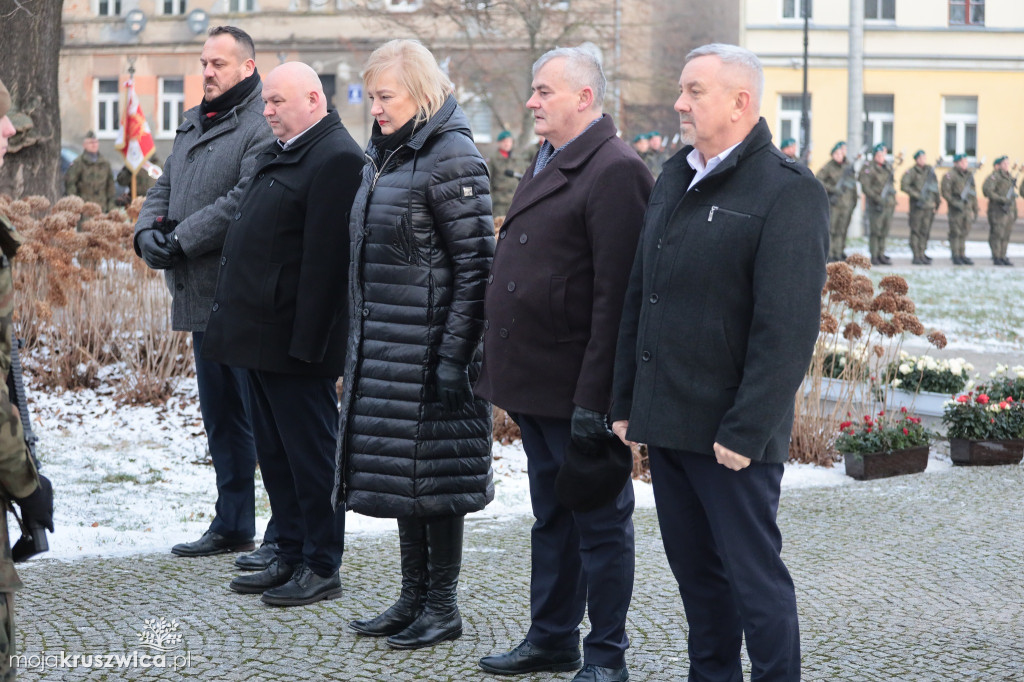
841,187
503,187
92,180
18,476
877,182
962,200
143,180
654,161
1001,193
921,185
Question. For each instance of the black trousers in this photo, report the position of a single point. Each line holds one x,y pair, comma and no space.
295,422
224,403
723,546
581,561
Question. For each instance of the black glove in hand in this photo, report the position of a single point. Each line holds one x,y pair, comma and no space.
174,249
155,250
589,428
37,508
453,389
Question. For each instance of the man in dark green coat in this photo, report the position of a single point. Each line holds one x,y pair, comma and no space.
1001,191
962,199
90,176
841,186
506,171
876,178
921,185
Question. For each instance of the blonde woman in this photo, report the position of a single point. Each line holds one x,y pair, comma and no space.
414,443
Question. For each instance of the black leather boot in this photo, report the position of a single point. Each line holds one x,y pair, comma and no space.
440,619
412,538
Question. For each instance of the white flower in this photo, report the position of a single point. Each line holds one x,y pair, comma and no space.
905,368
956,366
897,382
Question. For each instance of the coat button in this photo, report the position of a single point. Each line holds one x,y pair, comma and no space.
216,307
503,333
522,239
501,235
490,278
366,312
179,286
654,298
487,324
223,260
260,176
645,356
511,286
238,216
191,159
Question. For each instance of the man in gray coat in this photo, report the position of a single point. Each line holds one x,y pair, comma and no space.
181,231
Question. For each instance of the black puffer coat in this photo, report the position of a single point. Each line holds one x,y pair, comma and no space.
422,242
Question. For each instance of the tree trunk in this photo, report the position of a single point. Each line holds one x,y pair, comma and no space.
30,40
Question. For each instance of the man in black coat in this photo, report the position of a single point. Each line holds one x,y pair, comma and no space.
718,327
280,312
553,304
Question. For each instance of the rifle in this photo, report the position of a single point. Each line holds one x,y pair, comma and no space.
1013,183
931,186
33,534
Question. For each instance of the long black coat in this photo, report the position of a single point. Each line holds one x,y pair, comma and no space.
560,272
281,294
724,302
422,241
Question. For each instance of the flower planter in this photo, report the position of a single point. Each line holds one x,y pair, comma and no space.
923,403
966,452
864,467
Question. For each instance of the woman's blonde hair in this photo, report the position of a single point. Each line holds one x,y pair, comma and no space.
417,71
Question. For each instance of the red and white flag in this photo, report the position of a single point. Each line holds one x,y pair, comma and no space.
134,139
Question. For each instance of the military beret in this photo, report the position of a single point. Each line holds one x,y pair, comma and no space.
919,152
90,135
5,100
639,137
1001,159
957,157
654,133
788,142
504,134
880,147
837,146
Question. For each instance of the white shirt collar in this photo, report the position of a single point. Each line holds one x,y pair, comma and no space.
694,159
289,143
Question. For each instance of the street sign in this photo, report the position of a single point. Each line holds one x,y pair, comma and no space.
355,93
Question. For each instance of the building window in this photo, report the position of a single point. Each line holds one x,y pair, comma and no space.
789,119
880,9
966,12
171,107
794,9
878,120
237,6
479,115
108,8
171,6
108,107
403,5
960,126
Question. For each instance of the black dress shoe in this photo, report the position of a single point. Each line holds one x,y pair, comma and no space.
258,560
966,261
305,587
527,658
957,260
927,259
875,261
212,543
276,574
1006,261
595,673
885,259
915,261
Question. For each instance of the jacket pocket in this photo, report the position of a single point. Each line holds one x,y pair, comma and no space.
404,239
269,295
556,305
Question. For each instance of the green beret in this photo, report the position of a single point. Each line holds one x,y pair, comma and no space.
837,146
503,134
919,152
639,137
5,100
1001,159
653,133
957,157
880,147
788,142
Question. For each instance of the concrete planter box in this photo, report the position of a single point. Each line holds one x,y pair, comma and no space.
923,404
966,452
864,467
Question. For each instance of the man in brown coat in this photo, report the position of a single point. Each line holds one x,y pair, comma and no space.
553,304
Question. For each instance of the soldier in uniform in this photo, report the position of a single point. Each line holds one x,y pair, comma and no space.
143,181
1001,191
19,481
962,200
90,176
921,185
504,182
657,154
876,178
788,147
841,186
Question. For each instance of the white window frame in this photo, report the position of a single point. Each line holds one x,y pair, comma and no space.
877,121
114,8
473,107
792,117
178,8
797,13
961,122
165,129
241,6
878,5
402,5
110,103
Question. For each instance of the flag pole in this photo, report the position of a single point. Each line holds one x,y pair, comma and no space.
131,78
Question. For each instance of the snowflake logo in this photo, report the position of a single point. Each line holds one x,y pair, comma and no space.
161,635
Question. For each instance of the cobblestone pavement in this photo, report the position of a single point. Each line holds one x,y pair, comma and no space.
911,578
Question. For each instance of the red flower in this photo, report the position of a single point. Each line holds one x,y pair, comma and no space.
916,420
905,432
1003,404
845,425
1009,399
867,419
982,399
882,413
962,398
992,420
903,409
867,430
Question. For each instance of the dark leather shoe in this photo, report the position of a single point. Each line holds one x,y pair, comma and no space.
595,673
957,260
927,259
527,658
915,261
885,260
212,543
258,560
1006,261
875,261
305,587
966,261
276,574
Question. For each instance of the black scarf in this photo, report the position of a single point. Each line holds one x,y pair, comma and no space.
217,109
385,144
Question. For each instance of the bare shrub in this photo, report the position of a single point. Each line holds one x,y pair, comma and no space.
504,430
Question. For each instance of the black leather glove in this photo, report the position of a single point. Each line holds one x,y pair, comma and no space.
589,428
453,389
174,249
37,508
154,249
